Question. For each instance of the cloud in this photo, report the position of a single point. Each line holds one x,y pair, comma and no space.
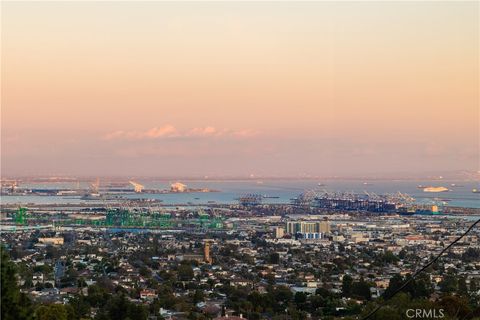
153,133
169,131
204,132
166,131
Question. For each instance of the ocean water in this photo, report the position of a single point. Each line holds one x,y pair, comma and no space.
285,190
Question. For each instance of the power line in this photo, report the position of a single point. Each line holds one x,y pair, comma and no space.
420,271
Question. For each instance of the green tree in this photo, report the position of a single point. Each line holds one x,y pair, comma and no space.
395,282
80,306
347,282
300,300
198,296
185,272
422,287
51,312
283,294
473,285
449,283
462,286
361,289
471,254
51,252
455,306
119,308
14,304
145,272
97,295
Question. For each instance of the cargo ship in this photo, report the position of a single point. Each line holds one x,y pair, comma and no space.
435,189
92,196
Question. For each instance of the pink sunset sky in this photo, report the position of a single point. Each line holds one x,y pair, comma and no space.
234,88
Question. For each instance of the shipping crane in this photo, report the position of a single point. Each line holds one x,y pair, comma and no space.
137,186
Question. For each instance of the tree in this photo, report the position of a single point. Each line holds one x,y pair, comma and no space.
28,283
473,285
449,283
97,295
361,289
51,312
347,282
300,299
185,272
51,252
395,282
274,258
387,257
14,304
471,254
80,306
81,282
198,296
388,313
119,308
145,272
462,286
283,294
455,306
422,287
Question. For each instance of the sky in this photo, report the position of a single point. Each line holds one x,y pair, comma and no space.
239,88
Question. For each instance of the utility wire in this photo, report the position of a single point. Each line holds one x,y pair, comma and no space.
420,271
